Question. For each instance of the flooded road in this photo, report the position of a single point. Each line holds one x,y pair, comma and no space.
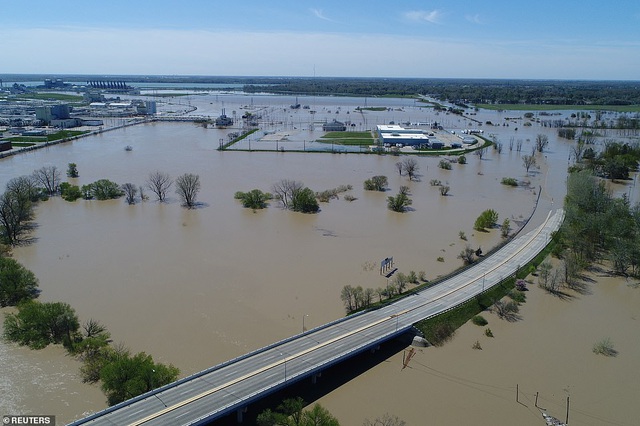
197,287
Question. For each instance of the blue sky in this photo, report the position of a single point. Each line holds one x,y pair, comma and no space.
544,39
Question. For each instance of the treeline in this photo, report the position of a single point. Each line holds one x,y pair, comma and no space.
598,227
463,91
616,161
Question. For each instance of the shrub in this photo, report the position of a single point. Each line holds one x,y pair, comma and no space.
444,164
605,347
422,276
517,296
440,259
350,197
462,235
488,332
442,333
399,203
477,345
435,182
412,277
479,320
509,181
444,190
462,160
254,199
521,285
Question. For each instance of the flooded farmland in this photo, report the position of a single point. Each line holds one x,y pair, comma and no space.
197,287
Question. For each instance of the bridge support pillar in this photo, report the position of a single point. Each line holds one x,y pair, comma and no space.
240,414
314,378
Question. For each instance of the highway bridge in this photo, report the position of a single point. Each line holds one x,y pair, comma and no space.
232,386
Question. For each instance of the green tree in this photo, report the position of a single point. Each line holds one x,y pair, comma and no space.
17,283
376,183
130,376
38,324
254,199
487,219
399,203
102,189
16,209
505,228
70,192
72,170
304,201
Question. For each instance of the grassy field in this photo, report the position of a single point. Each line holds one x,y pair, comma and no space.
523,107
62,134
348,138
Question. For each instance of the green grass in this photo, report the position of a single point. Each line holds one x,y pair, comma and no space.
62,134
51,96
21,144
525,107
371,108
347,135
348,138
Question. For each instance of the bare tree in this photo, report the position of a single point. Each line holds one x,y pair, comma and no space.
49,178
512,139
480,152
541,142
467,255
143,195
284,191
159,183
444,190
410,167
519,143
187,188
578,150
399,167
130,191
528,161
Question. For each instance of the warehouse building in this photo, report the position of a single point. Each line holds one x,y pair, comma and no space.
395,135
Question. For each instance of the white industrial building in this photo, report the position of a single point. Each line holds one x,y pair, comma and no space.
394,135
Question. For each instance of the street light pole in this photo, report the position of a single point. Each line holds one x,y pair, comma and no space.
285,366
303,328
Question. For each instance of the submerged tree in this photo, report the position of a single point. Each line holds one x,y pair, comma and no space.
376,183
49,178
187,188
17,283
399,203
254,199
159,183
130,191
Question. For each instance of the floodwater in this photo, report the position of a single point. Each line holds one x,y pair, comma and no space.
197,287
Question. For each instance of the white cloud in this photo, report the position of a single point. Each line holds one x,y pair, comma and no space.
320,14
475,19
433,17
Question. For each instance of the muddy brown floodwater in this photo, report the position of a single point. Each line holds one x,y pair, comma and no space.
198,287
